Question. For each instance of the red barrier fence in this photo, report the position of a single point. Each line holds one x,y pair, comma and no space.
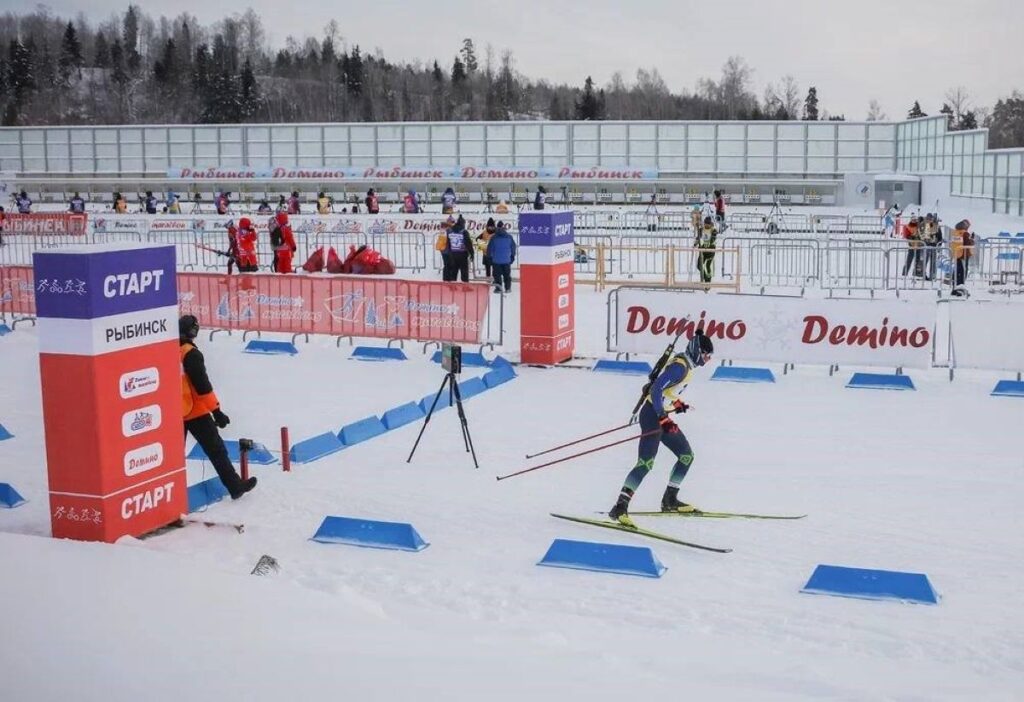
17,291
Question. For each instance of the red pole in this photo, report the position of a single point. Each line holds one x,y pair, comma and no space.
286,458
245,464
577,441
582,453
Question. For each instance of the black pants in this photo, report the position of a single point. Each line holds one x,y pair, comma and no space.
248,268
446,267
458,265
502,275
488,266
961,270
205,432
913,259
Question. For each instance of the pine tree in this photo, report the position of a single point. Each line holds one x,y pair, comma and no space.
948,111
165,69
437,74
1006,128
811,105
130,36
117,68
556,109
21,70
588,107
355,73
968,120
915,111
458,72
469,56
71,60
101,52
250,91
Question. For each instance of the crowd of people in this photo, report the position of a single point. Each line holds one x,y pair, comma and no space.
924,238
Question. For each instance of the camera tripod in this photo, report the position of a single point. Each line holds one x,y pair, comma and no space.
453,393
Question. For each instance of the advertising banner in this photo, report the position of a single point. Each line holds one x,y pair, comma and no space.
974,326
17,291
384,308
110,372
547,279
46,224
473,171
890,333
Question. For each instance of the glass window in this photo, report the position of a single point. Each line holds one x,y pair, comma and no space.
584,148
732,131
820,165
791,165
760,148
613,130
731,164
759,164
851,148
702,164
791,148
307,149
389,150
880,148
362,134
528,148
613,148
417,152
791,131
77,151
527,131
701,131
641,148
701,148
556,131
56,136
109,136
443,133
306,134
671,131
389,132
502,132
851,164
821,131
857,132
499,149
584,131
731,148
361,148
443,149
252,134
207,154
671,162
643,131
555,148
760,131
471,149
336,133
671,148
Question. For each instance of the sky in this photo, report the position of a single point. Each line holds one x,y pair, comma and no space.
892,51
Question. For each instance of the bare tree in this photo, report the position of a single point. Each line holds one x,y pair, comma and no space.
960,100
875,112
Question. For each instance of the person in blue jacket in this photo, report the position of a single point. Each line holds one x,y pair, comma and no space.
501,249
658,428
459,249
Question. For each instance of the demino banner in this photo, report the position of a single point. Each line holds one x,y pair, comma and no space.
780,329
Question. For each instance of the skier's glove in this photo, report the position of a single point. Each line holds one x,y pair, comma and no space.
680,406
668,426
220,419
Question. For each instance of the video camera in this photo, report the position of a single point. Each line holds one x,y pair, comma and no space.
246,445
451,358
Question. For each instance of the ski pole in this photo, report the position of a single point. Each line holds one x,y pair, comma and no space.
577,441
582,453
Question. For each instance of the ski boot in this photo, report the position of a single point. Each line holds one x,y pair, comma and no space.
244,486
620,513
670,502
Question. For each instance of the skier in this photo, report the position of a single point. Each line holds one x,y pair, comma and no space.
201,409
282,241
705,241
247,262
659,427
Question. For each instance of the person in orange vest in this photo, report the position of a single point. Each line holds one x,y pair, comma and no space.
246,238
201,409
282,241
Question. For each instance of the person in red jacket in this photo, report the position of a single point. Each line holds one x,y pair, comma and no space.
246,237
283,242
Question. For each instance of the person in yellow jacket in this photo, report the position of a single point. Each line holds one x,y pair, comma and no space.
324,204
961,246
201,409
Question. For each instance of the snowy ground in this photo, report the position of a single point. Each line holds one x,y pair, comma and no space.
926,482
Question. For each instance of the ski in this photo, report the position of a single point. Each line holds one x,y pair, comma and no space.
640,531
715,515
240,528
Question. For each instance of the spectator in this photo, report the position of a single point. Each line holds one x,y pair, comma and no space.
355,206
173,203
705,242
962,248
293,203
695,220
372,206
282,204
282,241
120,204
3,218
411,203
76,204
501,249
223,202
23,203
247,260
913,236
232,245
441,245
150,202
719,208
448,201
201,410
932,237
264,207
324,204
460,250
652,214
540,198
482,239
501,208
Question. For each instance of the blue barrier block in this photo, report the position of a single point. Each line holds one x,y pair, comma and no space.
367,533
471,388
498,375
443,402
375,353
258,456
402,415
881,381
314,449
626,367
1004,388
205,493
869,584
736,374
4,434
364,429
606,558
469,360
4,330
9,497
271,347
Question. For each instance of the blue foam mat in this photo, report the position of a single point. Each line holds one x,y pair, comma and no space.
471,388
443,402
206,493
4,330
603,558
868,584
498,375
626,367
315,448
363,430
9,497
737,374
375,353
4,434
1004,388
367,533
880,381
271,347
258,456
402,415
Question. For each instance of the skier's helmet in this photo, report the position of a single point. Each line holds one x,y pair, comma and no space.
699,345
188,327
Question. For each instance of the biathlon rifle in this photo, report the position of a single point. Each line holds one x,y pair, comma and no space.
226,254
658,367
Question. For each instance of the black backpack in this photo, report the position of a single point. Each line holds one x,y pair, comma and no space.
276,238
